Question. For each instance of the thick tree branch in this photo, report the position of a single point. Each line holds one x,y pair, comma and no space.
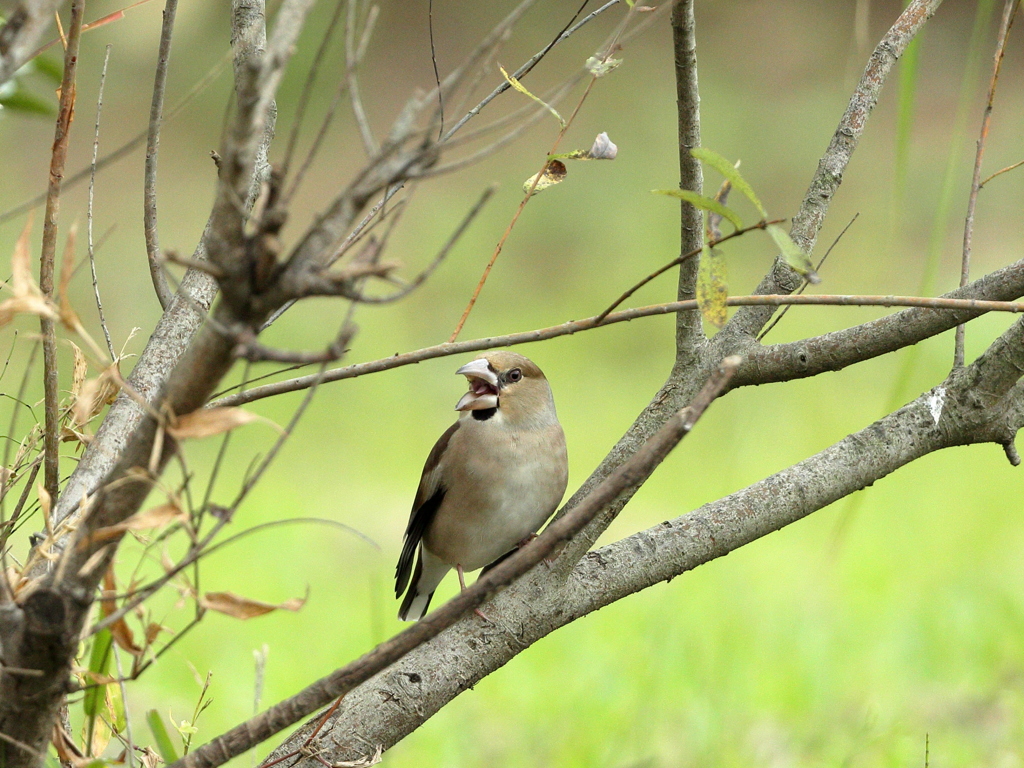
395,702
629,476
180,321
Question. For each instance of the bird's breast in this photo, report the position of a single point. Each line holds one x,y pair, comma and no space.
501,487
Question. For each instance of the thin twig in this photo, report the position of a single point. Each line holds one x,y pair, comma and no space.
520,73
440,257
630,475
156,110
576,326
679,260
307,88
140,594
809,219
124,149
351,76
778,317
51,433
89,216
608,49
433,60
1009,12
4,529
1000,172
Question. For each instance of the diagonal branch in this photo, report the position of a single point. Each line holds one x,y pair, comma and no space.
829,174
629,476
395,702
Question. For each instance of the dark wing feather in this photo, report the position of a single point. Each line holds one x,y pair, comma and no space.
429,496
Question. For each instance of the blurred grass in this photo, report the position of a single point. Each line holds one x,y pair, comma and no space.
821,644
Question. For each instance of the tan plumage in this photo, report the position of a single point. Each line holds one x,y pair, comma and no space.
490,482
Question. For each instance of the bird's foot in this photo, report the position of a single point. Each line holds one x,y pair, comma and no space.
462,585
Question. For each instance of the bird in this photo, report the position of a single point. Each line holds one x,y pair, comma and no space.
489,482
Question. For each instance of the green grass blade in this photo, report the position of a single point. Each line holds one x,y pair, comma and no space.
161,737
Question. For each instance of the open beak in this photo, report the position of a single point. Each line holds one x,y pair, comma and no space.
483,387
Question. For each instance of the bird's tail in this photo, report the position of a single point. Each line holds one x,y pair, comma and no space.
428,574
415,605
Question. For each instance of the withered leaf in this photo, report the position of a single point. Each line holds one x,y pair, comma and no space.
155,517
207,422
242,607
712,290
554,173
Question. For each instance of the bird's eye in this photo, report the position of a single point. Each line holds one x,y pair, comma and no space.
515,375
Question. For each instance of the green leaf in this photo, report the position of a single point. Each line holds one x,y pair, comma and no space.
25,102
730,172
706,203
712,290
99,662
115,708
793,253
522,89
163,739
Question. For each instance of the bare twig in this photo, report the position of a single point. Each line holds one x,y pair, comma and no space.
576,326
530,63
679,260
51,434
89,216
606,52
156,110
307,88
629,475
1009,12
423,276
124,149
1000,172
778,317
351,76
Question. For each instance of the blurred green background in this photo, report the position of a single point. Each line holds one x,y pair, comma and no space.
846,639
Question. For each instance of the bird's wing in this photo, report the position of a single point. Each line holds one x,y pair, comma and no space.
429,496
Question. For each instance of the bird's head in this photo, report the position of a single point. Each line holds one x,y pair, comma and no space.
508,383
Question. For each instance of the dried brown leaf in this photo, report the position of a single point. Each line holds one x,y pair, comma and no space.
44,503
242,607
81,370
150,759
554,173
153,631
156,517
207,422
25,305
21,265
121,632
67,269
67,750
94,395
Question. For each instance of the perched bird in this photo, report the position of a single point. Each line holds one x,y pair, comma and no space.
489,483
